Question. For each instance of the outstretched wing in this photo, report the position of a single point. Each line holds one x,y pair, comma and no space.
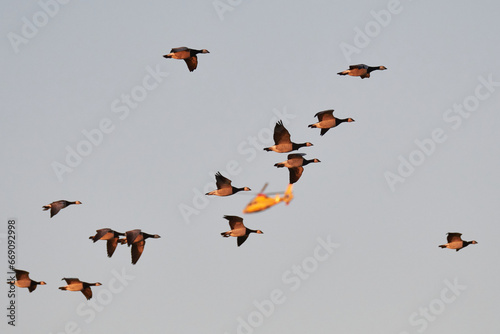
111,246
281,134
55,207
32,286
137,250
192,63
358,66
101,233
132,235
323,131
182,48
295,174
452,237
21,274
324,115
235,222
241,240
221,181
87,292
296,156
72,280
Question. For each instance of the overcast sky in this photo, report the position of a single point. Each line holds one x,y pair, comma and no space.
93,112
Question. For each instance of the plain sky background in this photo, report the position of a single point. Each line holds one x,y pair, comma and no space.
266,58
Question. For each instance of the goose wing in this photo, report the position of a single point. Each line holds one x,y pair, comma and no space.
132,236
296,156
281,134
192,63
87,292
32,286
179,49
22,275
295,174
72,280
324,115
452,237
55,207
101,233
111,245
358,66
235,222
137,249
242,239
221,181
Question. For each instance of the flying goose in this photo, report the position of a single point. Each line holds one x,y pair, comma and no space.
282,142
137,239
56,206
111,236
361,70
189,56
326,121
295,165
224,187
24,281
455,241
238,230
74,284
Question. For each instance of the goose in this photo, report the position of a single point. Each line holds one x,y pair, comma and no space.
56,206
137,239
74,284
455,241
361,70
224,187
326,121
189,56
295,165
24,281
282,142
238,230
111,236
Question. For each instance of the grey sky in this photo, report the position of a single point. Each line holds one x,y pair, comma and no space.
354,252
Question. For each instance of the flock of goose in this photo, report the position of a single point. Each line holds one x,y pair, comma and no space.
136,239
